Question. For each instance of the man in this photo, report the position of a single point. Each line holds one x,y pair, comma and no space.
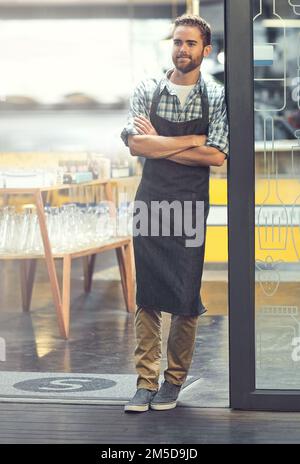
179,125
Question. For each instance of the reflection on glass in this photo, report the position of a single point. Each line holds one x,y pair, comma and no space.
269,58
277,193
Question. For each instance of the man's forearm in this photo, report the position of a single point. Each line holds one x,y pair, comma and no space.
199,156
157,146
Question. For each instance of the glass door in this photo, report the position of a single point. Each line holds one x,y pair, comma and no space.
263,77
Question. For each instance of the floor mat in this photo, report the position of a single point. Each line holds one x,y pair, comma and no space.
77,388
205,393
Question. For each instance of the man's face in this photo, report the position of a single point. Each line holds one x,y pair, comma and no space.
188,49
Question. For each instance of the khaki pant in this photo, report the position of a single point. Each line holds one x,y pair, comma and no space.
180,347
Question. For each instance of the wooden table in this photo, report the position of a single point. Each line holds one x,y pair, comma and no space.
61,298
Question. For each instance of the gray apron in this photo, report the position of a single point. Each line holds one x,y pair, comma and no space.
168,274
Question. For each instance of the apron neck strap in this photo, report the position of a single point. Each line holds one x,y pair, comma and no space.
155,100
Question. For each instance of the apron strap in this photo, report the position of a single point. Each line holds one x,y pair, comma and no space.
155,101
205,106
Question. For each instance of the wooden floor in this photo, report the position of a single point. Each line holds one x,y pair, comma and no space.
41,423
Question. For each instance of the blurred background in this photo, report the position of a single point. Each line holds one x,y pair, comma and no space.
69,67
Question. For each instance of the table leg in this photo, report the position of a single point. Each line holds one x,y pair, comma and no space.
128,255
27,274
50,265
88,271
121,262
66,293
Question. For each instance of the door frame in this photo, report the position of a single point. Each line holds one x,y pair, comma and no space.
241,217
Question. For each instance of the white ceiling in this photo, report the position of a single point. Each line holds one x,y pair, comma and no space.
83,2
15,3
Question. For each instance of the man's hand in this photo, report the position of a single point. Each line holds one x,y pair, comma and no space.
188,149
200,140
199,156
151,145
144,126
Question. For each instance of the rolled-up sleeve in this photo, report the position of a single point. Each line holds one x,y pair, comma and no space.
137,106
218,126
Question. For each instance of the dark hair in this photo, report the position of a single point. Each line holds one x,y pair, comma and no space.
195,21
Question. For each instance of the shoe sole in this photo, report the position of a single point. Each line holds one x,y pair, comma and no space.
163,407
137,408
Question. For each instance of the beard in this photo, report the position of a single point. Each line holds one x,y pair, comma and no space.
189,65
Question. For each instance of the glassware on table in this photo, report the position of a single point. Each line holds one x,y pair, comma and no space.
70,227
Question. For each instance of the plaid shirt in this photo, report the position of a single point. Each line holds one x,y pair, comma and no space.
169,108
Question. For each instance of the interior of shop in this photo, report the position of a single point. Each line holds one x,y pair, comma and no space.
66,179
62,111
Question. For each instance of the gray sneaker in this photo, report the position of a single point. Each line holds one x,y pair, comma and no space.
166,398
141,400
